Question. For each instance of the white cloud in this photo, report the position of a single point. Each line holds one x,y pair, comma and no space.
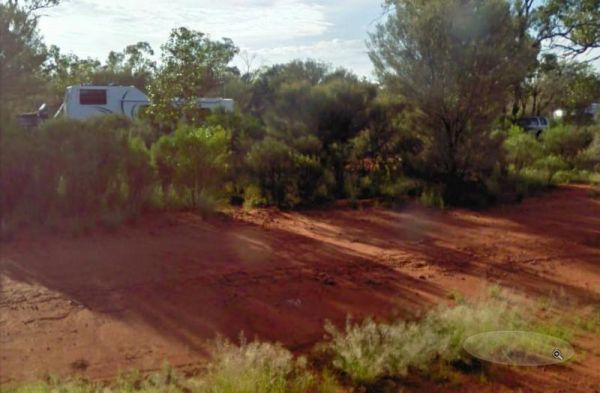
91,25
275,30
350,54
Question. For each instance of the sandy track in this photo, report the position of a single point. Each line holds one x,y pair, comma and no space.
159,289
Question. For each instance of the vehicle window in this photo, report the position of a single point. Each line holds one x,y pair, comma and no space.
544,121
92,97
526,121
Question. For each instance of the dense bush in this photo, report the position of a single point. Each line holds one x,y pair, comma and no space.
73,169
357,358
368,351
285,176
255,367
589,157
563,154
272,164
566,141
192,162
523,149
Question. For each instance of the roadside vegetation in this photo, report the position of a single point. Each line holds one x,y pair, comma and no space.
436,125
563,154
371,355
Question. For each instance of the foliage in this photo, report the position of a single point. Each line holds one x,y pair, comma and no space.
304,132
255,367
193,161
454,62
589,158
285,176
22,54
70,168
433,197
192,66
564,154
523,149
361,355
567,141
368,351
549,165
561,84
577,24
315,111
133,66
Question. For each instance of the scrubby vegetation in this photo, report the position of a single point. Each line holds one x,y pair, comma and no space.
359,356
369,351
562,154
303,133
72,170
253,367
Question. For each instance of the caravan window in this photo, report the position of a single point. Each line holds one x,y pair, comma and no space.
92,97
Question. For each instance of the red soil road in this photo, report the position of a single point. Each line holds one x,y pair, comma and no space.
161,288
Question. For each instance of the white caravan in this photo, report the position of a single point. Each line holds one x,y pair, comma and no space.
84,101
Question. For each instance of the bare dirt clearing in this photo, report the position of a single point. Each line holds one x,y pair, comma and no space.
159,289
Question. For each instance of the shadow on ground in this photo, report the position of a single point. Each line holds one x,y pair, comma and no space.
169,283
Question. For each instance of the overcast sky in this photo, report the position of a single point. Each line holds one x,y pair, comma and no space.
274,31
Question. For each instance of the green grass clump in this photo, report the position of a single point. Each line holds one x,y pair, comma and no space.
368,351
251,367
167,380
254,367
432,197
365,354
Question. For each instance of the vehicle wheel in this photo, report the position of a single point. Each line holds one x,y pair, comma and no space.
538,134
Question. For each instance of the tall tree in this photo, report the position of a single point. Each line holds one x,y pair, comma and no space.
568,27
454,61
560,84
571,26
22,51
192,65
132,66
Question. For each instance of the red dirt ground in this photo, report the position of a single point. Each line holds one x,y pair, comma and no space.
159,289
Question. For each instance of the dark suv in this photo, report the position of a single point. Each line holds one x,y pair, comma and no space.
533,124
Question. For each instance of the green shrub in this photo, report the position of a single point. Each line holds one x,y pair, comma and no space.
574,176
313,182
432,196
18,162
71,169
271,162
400,189
549,165
565,154
566,141
285,176
255,367
522,149
166,380
364,354
368,351
253,197
139,172
589,158
193,162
